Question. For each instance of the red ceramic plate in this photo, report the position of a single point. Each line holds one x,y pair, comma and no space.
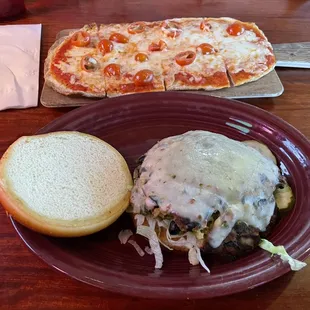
132,124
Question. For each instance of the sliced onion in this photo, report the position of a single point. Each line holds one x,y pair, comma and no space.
137,247
124,235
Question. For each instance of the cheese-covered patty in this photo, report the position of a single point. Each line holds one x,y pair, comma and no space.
199,173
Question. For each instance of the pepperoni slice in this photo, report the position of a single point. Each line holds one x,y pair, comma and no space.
235,29
80,39
105,46
206,49
137,27
141,57
172,29
119,38
185,58
157,47
112,70
143,77
89,63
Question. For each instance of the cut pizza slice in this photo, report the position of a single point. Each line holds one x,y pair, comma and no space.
135,73
73,65
195,62
126,70
246,51
195,69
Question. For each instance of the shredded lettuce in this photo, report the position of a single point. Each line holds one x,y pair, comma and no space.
139,219
192,256
124,235
137,247
187,240
150,234
148,250
280,250
181,241
201,261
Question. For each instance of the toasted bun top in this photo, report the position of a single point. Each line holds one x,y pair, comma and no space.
64,183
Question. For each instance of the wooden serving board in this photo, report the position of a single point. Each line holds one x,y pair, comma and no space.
268,86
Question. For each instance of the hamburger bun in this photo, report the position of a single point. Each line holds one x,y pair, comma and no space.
64,184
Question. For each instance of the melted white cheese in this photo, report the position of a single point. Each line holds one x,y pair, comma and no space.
197,173
245,52
246,56
75,51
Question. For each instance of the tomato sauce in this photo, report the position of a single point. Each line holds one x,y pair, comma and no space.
62,77
217,79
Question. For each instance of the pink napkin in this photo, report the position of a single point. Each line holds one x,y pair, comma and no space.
19,66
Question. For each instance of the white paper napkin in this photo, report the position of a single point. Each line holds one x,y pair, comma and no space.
19,66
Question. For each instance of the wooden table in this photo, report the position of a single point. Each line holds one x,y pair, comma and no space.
25,281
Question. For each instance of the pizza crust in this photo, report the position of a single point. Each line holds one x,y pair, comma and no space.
237,81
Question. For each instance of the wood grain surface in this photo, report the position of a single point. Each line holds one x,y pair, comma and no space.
26,282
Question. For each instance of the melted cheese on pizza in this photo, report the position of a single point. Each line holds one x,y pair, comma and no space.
245,52
245,56
72,65
248,52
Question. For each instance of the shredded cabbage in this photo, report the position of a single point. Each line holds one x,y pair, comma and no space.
180,242
124,235
148,250
192,256
165,245
151,222
163,223
187,240
280,250
137,247
201,261
140,219
150,234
